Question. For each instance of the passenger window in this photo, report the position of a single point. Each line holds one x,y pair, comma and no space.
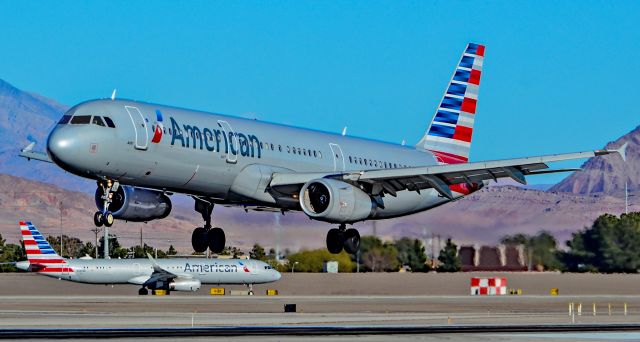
64,120
81,120
109,122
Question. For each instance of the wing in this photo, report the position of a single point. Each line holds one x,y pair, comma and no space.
440,177
159,274
29,153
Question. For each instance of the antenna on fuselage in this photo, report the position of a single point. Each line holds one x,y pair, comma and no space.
344,131
113,94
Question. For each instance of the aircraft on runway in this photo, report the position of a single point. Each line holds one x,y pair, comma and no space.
140,153
162,274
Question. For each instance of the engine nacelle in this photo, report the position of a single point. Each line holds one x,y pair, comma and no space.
180,284
335,201
136,204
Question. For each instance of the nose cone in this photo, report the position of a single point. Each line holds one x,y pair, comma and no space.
22,265
59,143
63,147
276,275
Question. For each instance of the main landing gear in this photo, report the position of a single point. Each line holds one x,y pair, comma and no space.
342,238
207,237
104,216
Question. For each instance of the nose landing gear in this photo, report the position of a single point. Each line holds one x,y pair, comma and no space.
207,236
339,239
105,217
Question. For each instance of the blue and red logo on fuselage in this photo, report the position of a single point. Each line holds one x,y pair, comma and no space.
157,134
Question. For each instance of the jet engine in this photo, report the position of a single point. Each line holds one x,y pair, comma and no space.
135,204
181,284
335,201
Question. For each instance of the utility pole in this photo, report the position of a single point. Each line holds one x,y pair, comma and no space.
60,211
106,242
96,230
626,197
141,246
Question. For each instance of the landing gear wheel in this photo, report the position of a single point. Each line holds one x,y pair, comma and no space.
108,219
216,240
97,219
335,241
351,241
143,292
250,293
199,240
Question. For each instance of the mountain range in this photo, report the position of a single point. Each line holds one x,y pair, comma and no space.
34,191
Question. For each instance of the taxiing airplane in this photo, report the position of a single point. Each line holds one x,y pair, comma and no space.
140,153
162,274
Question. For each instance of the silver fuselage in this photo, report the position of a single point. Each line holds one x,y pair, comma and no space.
137,271
197,155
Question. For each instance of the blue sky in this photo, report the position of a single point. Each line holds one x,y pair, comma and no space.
553,79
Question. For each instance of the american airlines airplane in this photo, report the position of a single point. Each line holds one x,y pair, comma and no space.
140,153
151,274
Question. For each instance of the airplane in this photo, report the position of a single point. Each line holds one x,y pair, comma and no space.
186,274
141,153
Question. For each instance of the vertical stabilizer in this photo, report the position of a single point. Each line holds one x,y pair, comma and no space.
40,254
449,134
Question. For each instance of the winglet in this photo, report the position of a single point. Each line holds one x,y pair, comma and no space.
622,151
155,265
29,147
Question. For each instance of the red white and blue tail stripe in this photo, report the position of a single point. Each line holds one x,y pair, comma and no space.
40,254
449,135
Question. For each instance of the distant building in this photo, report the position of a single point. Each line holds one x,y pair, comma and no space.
492,258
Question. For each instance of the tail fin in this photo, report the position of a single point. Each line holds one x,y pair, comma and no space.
40,254
449,135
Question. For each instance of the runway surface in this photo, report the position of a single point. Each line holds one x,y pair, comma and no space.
29,301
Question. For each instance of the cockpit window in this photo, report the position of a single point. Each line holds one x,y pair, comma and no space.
81,120
109,122
98,121
64,120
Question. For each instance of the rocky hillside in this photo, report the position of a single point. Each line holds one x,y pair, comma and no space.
483,217
609,173
26,117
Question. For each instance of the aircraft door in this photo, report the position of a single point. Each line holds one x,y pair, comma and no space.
254,267
338,157
65,270
230,141
139,127
136,269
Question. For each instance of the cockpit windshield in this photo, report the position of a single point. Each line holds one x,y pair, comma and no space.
64,120
97,120
103,121
81,120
